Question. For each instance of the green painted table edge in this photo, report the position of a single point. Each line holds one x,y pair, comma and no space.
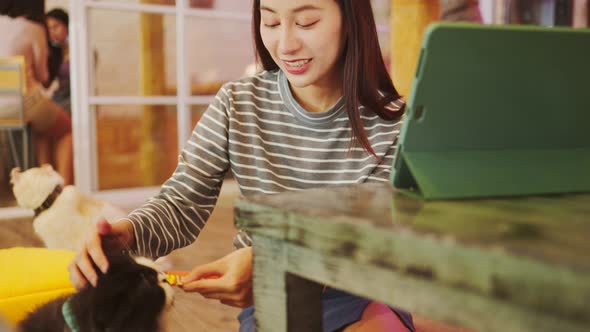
405,243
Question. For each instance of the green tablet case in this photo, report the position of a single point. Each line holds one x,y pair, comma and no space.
497,111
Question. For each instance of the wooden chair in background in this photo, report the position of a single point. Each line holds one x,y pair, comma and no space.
12,90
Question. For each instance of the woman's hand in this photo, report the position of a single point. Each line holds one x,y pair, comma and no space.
228,279
104,237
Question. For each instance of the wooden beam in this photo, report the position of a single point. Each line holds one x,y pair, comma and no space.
409,19
153,121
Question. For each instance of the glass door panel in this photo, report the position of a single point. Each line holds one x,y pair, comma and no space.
128,59
136,145
133,54
217,51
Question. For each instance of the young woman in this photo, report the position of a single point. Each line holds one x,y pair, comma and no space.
324,112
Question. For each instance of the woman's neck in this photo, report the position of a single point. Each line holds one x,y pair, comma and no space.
317,98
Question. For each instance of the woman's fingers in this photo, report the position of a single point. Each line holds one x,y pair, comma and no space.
96,253
240,299
87,268
204,286
76,276
214,269
237,304
82,269
223,289
234,283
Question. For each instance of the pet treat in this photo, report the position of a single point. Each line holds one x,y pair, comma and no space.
174,277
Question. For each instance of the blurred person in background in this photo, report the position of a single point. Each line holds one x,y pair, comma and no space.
24,33
57,24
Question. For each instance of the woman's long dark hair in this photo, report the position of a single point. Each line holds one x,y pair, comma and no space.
365,75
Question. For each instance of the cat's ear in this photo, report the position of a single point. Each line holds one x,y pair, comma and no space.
14,175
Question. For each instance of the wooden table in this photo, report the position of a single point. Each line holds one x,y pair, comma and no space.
518,264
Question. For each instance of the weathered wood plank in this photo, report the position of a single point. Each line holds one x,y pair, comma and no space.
459,307
550,228
492,272
269,287
526,251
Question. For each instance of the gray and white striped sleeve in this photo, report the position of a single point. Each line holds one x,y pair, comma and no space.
175,217
382,171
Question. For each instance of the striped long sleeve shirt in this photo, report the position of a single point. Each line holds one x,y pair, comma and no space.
271,144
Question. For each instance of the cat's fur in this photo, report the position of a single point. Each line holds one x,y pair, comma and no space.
65,224
131,296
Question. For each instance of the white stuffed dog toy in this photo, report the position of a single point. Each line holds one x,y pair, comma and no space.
63,215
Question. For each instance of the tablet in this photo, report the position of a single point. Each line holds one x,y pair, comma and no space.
497,111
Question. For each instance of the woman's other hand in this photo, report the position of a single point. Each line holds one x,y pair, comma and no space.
228,279
104,237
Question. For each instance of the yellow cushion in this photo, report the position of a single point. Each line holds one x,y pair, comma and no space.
31,277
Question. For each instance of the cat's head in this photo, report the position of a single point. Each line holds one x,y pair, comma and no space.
132,296
32,187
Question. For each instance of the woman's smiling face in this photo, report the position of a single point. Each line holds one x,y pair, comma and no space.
304,38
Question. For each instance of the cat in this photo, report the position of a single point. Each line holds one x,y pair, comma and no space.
131,296
63,215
